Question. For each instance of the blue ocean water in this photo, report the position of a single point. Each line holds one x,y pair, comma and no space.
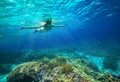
89,21
91,26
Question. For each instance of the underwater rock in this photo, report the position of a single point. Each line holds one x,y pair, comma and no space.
62,70
38,54
39,75
107,77
25,72
36,71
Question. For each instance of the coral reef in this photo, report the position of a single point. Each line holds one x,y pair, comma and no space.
59,69
54,66
66,68
108,78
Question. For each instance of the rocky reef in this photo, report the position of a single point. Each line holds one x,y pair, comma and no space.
59,69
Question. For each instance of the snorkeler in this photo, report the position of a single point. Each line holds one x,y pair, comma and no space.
46,26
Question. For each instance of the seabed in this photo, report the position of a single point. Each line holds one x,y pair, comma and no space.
56,66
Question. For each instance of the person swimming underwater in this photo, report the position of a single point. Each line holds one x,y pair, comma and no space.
46,26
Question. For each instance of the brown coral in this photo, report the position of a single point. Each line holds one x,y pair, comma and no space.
66,68
53,64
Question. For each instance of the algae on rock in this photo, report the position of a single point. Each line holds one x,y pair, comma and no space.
58,69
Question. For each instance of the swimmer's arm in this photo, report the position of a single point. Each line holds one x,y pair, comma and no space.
31,27
58,25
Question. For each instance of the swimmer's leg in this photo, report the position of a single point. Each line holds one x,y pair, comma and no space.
31,27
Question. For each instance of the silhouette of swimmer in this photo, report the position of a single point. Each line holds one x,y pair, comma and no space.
46,26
